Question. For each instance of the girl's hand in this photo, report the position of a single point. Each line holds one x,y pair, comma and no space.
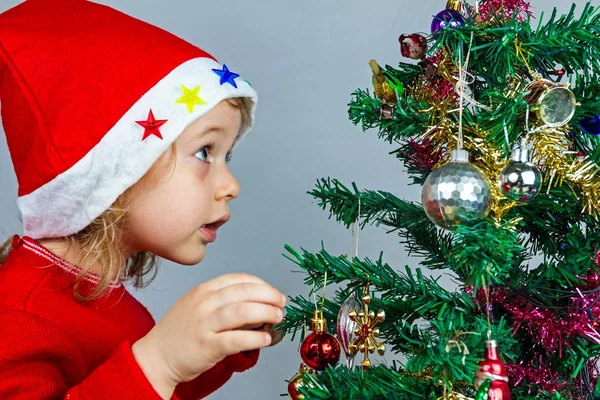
206,325
276,336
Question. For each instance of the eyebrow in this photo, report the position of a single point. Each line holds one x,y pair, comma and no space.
212,129
204,132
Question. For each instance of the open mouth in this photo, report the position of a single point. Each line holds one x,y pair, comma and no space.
209,231
217,224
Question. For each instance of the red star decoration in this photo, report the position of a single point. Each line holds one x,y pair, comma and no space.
151,126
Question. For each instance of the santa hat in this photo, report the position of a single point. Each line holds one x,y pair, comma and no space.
90,98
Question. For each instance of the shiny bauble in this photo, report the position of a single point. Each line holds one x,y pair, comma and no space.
520,180
457,193
591,126
320,348
298,381
447,19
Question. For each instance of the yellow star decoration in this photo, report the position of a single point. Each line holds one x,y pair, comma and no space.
190,97
366,332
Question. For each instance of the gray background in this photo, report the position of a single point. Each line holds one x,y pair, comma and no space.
305,58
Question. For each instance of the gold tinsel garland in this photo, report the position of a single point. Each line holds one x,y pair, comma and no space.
550,148
565,168
448,392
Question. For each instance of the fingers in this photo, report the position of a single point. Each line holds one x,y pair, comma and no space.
231,279
247,292
276,337
254,327
236,315
233,342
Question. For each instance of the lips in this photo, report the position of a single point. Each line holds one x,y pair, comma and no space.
209,231
218,223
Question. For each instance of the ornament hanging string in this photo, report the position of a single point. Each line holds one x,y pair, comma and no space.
461,86
463,82
356,231
527,131
305,329
486,290
520,53
445,388
324,292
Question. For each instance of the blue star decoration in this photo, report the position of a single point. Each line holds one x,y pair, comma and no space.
226,76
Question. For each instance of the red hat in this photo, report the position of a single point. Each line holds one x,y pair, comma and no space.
90,99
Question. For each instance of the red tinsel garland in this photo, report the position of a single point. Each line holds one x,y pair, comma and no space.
421,156
541,376
491,10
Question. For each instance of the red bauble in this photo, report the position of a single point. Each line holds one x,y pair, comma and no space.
413,46
560,72
493,368
320,348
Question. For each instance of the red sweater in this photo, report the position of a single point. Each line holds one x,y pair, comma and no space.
52,347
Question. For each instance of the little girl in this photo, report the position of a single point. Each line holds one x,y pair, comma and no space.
119,133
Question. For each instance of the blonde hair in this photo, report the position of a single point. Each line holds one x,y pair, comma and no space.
99,240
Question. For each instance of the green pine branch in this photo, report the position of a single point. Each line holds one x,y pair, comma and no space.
382,208
515,48
478,252
567,40
382,382
408,120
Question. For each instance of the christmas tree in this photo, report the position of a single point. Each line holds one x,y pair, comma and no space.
496,114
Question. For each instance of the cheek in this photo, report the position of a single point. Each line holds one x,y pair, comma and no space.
173,209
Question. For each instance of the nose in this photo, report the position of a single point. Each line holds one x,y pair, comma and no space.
228,187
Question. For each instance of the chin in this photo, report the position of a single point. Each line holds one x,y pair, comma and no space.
191,256
185,254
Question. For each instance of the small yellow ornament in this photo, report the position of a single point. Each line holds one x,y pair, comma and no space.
383,89
366,332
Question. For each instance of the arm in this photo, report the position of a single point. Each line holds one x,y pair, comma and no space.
216,377
39,360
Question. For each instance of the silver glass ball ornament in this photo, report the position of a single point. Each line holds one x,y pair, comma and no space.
457,193
520,180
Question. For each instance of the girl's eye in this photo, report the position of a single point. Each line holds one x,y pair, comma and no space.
203,153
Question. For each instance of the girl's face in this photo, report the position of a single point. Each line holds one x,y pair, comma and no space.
175,210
